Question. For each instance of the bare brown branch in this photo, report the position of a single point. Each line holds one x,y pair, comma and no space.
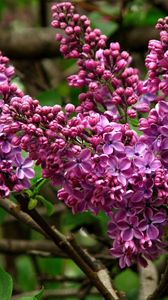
34,43
37,43
14,210
57,294
77,256
42,248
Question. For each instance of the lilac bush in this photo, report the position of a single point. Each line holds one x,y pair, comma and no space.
91,152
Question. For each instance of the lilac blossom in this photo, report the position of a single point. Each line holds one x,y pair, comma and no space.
10,152
112,142
149,224
120,168
24,167
136,151
90,151
148,164
81,163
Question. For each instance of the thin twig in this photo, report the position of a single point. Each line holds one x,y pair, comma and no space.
40,43
58,278
56,294
42,248
60,240
14,210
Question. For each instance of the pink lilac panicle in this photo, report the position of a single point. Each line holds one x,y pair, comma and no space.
157,62
10,180
93,156
141,171
106,72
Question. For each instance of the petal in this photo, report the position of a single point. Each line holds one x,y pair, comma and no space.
122,225
29,173
117,136
138,234
103,160
156,164
28,163
122,179
142,225
122,262
158,218
130,151
86,166
124,164
164,145
118,146
152,232
6,147
108,137
137,196
113,162
19,173
85,154
108,149
164,130
148,157
140,148
18,159
127,234
139,163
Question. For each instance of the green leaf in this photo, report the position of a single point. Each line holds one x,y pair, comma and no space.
37,177
6,285
3,215
49,206
2,7
51,266
49,97
19,84
111,10
126,281
143,17
134,125
32,203
38,185
107,27
38,296
153,15
26,277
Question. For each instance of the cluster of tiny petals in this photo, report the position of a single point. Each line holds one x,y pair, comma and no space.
129,174
157,62
104,71
15,171
115,171
80,39
91,154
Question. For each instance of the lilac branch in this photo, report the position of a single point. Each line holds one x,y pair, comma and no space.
14,210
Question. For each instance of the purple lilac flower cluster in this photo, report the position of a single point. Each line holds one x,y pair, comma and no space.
127,177
15,171
157,63
106,72
89,151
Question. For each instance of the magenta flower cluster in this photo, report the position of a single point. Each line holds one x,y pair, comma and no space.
15,171
91,151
